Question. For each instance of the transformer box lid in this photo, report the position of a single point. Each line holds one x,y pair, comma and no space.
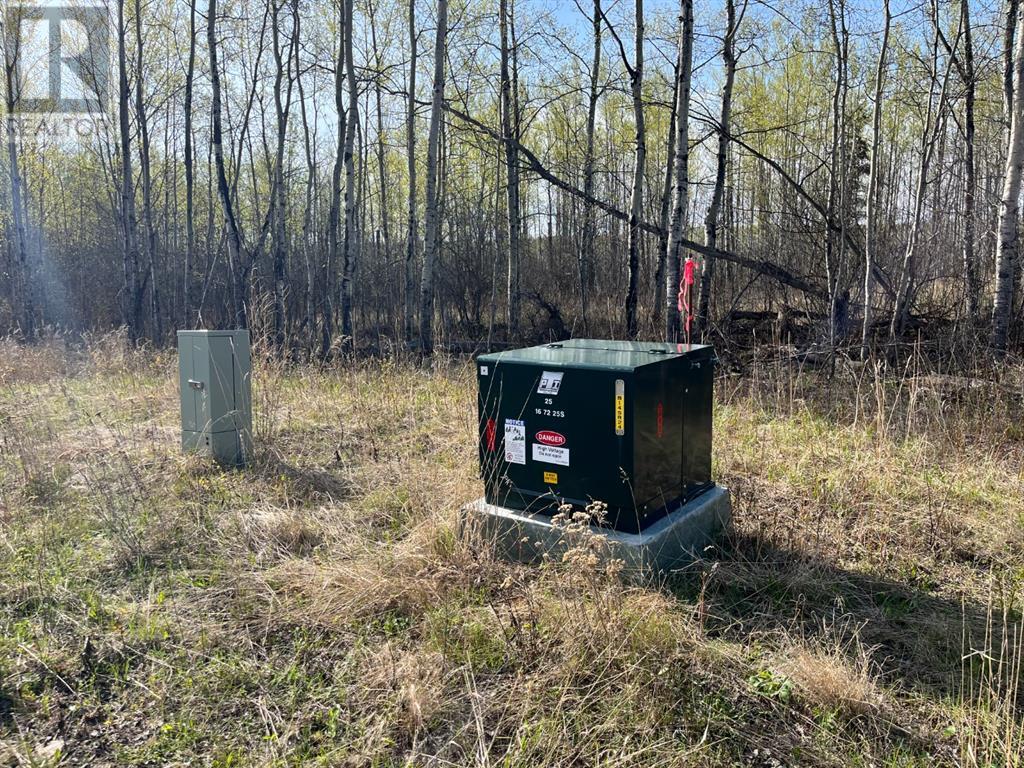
599,354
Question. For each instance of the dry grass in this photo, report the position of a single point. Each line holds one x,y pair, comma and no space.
323,605
830,681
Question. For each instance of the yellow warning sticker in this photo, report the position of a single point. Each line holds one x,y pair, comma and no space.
550,477
620,407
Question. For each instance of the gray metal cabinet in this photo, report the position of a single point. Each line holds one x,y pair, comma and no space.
215,381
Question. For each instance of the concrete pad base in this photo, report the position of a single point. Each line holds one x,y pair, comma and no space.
671,542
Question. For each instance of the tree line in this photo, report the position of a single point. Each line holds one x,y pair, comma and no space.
426,172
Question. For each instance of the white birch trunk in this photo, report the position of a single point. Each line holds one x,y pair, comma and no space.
431,226
715,207
23,278
639,161
587,242
1009,204
509,128
681,163
350,244
132,299
232,231
410,142
871,212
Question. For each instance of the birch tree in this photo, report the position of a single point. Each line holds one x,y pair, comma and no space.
930,133
334,217
665,206
278,193
636,78
309,240
132,288
1009,47
239,259
680,164
973,290
871,211
189,162
382,174
835,241
732,22
588,237
410,150
1009,205
966,70
509,129
351,245
23,278
142,119
432,240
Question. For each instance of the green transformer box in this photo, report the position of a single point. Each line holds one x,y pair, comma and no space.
215,378
624,423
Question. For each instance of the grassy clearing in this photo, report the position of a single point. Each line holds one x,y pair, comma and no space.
320,606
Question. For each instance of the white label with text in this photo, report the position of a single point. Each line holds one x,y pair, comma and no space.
551,455
550,383
515,441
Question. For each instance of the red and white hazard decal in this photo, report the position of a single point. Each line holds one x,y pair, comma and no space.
548,437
